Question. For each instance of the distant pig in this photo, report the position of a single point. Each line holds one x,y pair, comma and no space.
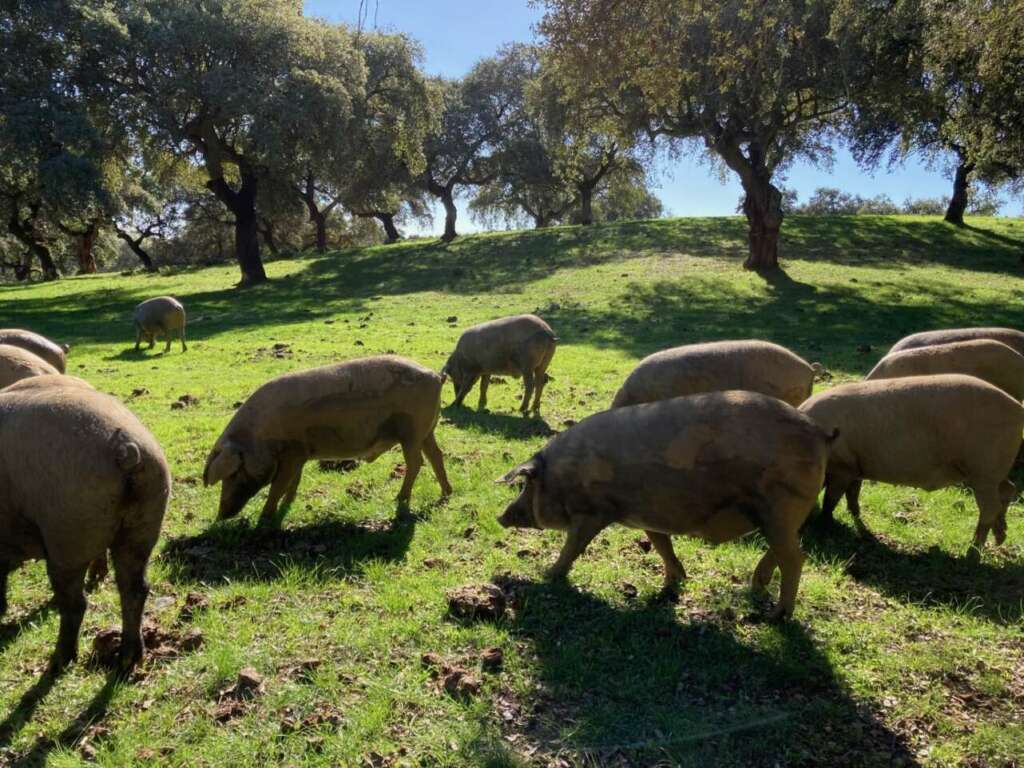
716,466
520,346
353,410
755,366
1012,338
17,364
40,346
927,432
988,360
79,475
163,316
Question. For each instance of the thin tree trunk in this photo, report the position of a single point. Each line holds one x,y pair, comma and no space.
540,221
450,214
84,252
586,204
247,242
958,202
763,208
135,244
320,221
387,219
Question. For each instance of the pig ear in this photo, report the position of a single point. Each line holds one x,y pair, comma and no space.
223,462
528,469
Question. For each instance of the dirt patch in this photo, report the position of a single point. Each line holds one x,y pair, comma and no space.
454,679
235,700
185,401
160,644
337,465
476,602
194,603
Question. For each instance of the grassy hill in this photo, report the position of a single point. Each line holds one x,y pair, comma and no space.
900,654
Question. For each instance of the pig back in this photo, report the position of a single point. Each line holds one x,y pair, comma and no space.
40,346
673,464
924,431
755,366
159,313
79,466
1008,336
986,359
17,363
498,346
347,404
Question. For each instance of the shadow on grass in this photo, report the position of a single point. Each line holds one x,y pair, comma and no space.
509,425
650,685
239,552
10,632
19,717
932,576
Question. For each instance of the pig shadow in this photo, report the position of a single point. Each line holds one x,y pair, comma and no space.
639,682
9,632
243,552
93,714
933,576
512,426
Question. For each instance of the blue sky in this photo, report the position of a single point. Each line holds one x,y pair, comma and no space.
456,33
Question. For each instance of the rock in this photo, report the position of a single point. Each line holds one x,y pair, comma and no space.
476,602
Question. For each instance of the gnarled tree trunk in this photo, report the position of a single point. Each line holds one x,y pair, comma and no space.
387,220
763,209
135,244
24,232
450,215
83,249
266,228
247,242
586,204
961,183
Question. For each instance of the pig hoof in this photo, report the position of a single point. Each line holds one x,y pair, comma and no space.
669,593
778,614
973,555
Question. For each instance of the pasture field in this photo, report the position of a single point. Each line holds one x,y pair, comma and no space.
900,653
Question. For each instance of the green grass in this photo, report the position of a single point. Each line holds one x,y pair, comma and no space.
900,654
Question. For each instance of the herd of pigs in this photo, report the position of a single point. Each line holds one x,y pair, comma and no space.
713,440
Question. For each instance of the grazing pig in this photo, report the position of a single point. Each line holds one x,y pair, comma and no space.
353,410
716,466
163,316
46,381
40,346
1010,337
988,360
754,366
17,364
520,346
108,491
927,432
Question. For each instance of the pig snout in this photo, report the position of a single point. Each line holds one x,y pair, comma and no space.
518,515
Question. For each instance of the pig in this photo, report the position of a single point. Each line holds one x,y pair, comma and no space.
40,346
926,432
163,316
48,380
108,491
17,364
520,346
755,366
353,410
1012,338
988,360
716,466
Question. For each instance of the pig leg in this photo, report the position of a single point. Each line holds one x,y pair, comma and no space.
289,495
785,550
485,381
467,387
582,531
991,510
69,594
138,336
541,374
130,557
168,337
181,336
433,453
674,571
835,485
5,569
288,466
1007,493
763,572
413,463
528,381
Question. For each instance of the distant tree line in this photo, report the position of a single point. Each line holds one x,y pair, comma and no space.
198,130
830,201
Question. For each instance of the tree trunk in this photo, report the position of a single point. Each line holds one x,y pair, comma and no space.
83,250
540,221
267,232
136,247
958,202
586,204
320,222
450,214
37,248
247,241
763,208
390,230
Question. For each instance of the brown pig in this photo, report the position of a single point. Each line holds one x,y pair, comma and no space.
48,380
755,366
988,360
927,432
163,316
109,491
17,364
716,466
353,410
1012,338
40,346
520,346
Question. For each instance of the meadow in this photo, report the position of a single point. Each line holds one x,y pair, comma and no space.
900,652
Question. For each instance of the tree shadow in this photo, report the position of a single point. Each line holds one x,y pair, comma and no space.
241,552
929,577
22,713
9,632
642,683
514,426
